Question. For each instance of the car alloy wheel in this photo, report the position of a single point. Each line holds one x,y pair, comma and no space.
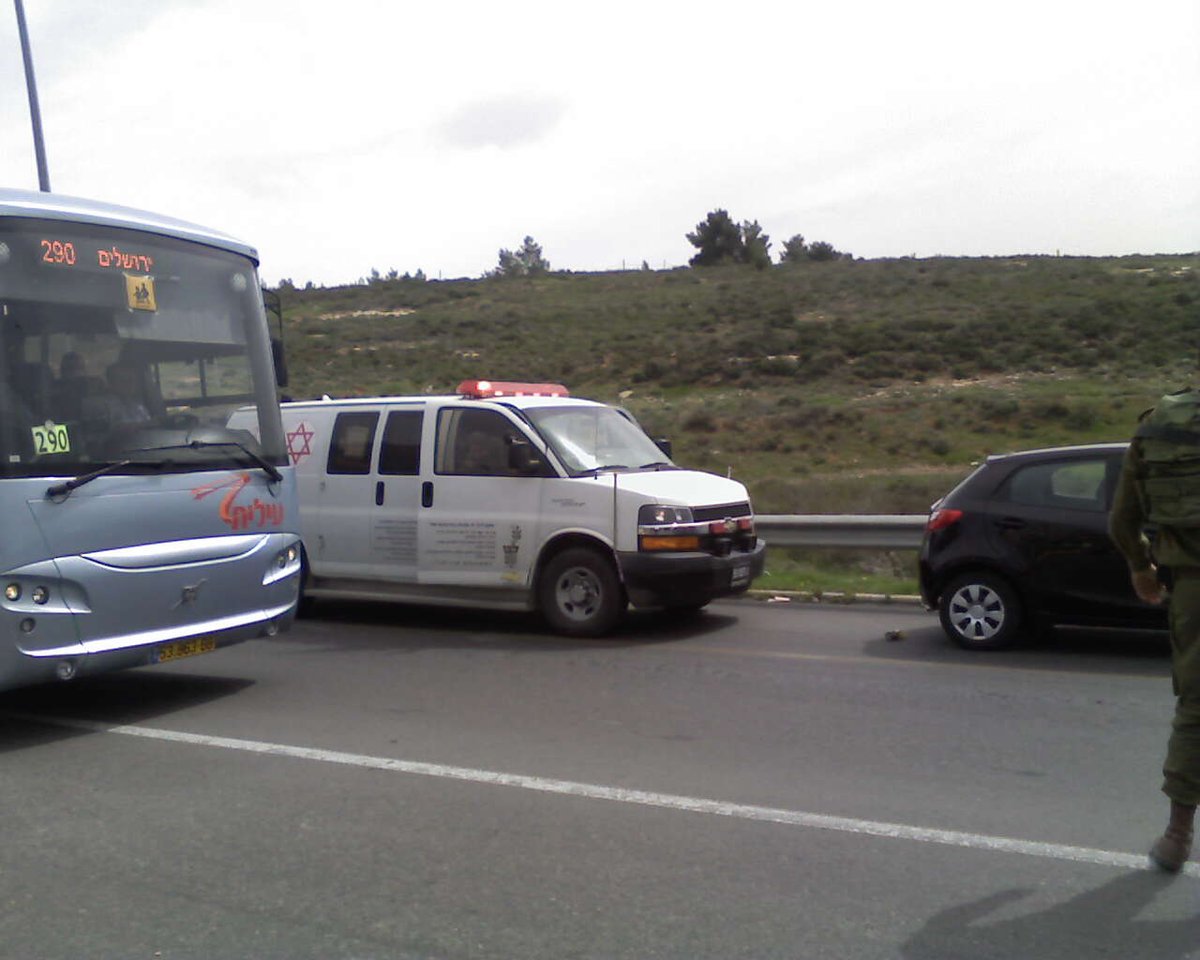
980,612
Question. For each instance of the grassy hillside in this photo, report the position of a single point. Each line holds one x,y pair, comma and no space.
851,386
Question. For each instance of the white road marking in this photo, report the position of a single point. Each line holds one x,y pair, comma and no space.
884,661
798,818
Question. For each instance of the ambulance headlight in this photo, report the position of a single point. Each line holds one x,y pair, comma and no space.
653,514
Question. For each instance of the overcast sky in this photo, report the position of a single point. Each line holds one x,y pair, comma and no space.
344,136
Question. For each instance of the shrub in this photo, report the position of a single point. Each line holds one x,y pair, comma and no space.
699,421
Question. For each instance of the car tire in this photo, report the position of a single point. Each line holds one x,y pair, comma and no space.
580,594
980,611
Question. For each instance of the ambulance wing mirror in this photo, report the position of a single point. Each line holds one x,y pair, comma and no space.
663,444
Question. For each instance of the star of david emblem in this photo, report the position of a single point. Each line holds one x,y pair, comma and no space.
298,442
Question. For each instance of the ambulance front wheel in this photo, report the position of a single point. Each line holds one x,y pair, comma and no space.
579,593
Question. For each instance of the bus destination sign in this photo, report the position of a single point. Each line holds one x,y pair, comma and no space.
65,253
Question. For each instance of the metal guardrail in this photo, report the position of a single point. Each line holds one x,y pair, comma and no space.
891,531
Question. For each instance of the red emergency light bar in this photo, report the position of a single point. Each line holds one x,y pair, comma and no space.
484,389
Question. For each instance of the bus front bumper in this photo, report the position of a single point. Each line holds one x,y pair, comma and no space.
22,668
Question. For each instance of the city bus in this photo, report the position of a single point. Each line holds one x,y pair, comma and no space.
138,528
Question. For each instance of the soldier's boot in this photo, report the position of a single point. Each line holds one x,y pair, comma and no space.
1171,851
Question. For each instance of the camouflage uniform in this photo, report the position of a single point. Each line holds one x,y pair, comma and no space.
1176,552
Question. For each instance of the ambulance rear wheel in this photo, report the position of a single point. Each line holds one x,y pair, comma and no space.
579,593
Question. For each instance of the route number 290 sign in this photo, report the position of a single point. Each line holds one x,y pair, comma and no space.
50,438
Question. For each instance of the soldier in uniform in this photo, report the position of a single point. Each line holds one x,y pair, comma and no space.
1160,484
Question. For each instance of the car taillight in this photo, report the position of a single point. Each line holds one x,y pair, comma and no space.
940,519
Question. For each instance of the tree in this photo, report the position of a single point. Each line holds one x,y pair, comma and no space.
526,262
794,250
718,240
756,246
823,251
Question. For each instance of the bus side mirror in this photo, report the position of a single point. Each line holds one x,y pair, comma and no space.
279,358
664,445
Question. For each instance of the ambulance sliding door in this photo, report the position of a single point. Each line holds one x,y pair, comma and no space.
346,494
397,495
370,496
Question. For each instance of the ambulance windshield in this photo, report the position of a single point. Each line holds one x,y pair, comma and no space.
588,438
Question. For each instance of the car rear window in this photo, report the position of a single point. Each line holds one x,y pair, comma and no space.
1065,485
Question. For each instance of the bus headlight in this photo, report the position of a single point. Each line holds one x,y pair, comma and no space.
12,593
287,562
39,595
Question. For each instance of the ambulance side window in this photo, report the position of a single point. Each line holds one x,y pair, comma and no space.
400,452
474,443
352,441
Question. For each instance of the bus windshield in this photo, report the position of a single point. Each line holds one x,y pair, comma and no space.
116,342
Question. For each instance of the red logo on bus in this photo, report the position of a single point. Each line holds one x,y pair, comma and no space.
241,516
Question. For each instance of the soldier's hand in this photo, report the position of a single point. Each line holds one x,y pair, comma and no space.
1147,587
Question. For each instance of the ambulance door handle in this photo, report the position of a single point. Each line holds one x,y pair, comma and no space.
379,493
427,493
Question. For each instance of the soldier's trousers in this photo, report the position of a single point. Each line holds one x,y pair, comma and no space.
1181,771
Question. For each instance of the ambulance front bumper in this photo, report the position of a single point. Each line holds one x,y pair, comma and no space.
688,579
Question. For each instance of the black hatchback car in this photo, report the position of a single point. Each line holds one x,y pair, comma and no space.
1022,543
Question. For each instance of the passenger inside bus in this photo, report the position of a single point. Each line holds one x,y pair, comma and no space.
34,384
75,387
127,395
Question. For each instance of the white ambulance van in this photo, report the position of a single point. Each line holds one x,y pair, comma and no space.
512,496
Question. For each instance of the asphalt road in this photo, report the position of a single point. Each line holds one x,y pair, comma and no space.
766,781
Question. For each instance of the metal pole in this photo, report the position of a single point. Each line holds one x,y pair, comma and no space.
35,113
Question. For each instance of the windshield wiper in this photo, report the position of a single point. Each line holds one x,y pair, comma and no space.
267,467
658,465
56,490
595,471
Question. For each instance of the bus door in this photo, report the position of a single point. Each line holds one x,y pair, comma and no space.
480,521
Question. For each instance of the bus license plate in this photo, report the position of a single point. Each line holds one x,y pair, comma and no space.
740,575
186,648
